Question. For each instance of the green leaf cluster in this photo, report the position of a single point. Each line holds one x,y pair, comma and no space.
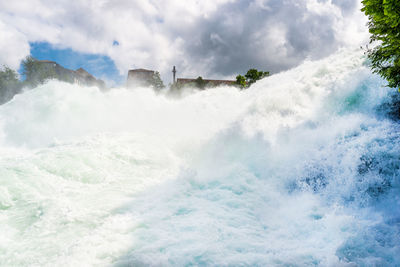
241,81
250,77
37,73
200,83
384,26
156,81
9,84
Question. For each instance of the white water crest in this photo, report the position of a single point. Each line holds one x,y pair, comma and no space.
301,169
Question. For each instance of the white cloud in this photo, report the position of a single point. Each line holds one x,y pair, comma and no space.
217,38
13,46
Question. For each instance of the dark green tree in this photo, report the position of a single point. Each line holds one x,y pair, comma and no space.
200,83
9,84
156,81
241,81
254,75
384,26
250,77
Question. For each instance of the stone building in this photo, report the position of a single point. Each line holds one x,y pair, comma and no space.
79,76
212,83
140,78
185,82
85,78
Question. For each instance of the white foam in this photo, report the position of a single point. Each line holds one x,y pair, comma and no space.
277,174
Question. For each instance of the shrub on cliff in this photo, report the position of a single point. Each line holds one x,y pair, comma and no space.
250,77
200,83
36,73
9,84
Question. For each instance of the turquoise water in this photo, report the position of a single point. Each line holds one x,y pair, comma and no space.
302,169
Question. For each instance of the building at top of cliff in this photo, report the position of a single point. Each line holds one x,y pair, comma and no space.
140,78
85,78
79,76
199,82
47,62
211,83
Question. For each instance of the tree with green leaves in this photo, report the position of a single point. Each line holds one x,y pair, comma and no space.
241,81
9,84
254,75
250,77
156,81
37,73
200,83
384,26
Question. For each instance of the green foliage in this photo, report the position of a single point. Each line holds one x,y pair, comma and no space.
241,81
156,81
384,26
200,83
9,84
250,77
254,75
8,76
37,73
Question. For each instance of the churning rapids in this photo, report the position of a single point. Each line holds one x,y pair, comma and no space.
301,169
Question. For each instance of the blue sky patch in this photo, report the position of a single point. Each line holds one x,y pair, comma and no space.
100,66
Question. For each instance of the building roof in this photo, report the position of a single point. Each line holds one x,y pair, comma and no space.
185,80
47,61
82,71
141,70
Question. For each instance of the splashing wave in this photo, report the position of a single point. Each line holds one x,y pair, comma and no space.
301,169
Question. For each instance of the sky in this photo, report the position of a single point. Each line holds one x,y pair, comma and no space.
210,38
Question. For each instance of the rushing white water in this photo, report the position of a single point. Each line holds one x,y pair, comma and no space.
300,169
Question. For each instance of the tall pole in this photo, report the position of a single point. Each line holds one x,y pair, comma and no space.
174,72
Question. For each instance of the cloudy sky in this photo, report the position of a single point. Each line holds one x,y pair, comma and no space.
209,38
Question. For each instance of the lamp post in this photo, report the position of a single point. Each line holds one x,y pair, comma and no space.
174,76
